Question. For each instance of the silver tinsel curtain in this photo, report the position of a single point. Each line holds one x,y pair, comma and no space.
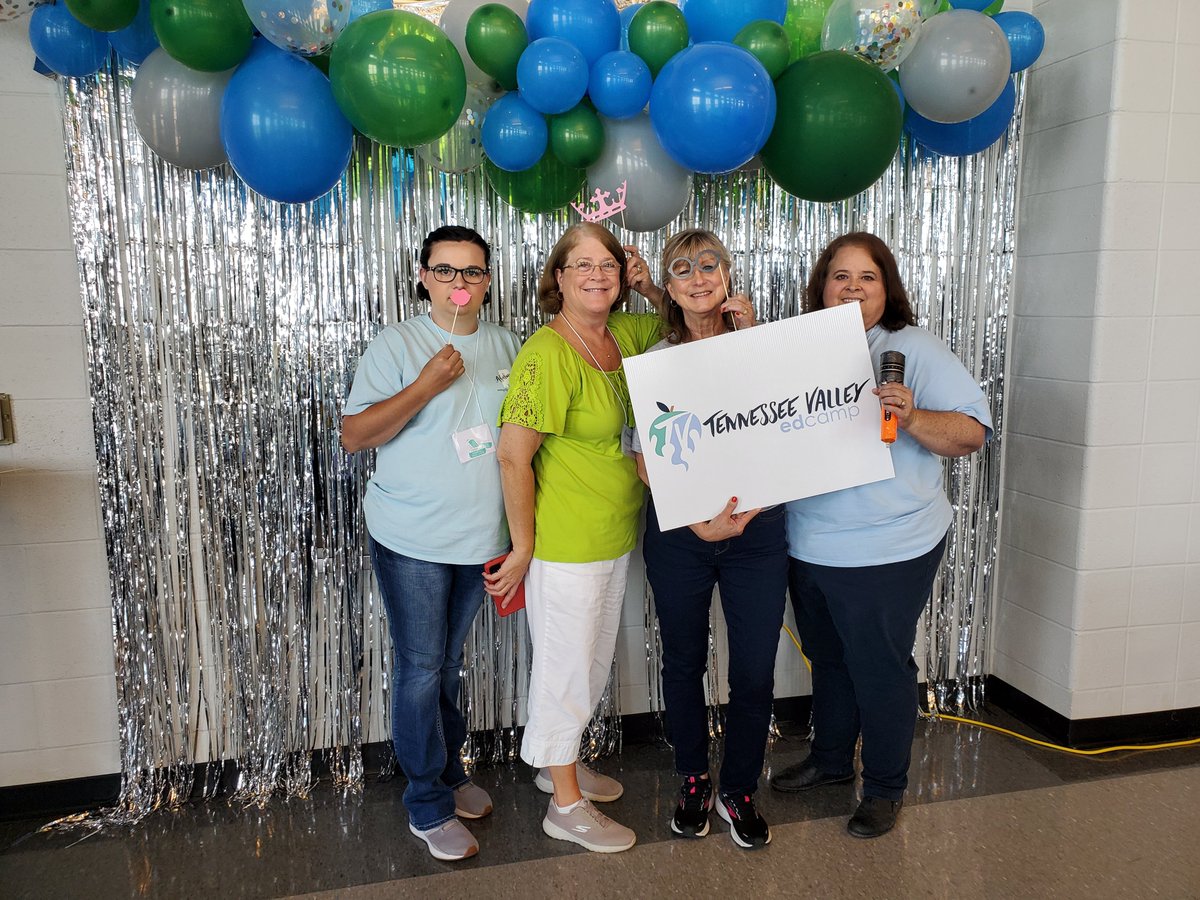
222,335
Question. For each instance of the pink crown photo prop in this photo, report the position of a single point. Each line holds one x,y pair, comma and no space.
603,209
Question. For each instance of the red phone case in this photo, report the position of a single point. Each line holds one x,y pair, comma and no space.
518,600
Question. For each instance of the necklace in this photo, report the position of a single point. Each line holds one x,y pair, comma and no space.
621,401
607,353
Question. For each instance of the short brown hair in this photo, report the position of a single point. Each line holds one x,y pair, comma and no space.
897,311
549,296
688,242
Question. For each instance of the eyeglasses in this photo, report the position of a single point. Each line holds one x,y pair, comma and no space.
470,274
585,267
682,267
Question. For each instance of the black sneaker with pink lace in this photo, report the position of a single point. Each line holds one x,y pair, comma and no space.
746,827
691,813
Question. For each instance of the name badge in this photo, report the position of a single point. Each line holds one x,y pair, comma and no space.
472,443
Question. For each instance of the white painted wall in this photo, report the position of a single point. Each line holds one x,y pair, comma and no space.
1099,589
57,694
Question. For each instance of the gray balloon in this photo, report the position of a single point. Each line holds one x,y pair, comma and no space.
656,187
958,68
178,111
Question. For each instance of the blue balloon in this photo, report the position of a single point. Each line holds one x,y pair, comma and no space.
712,107
64,44
977,5
620,84
552,76
282,129
721,20
593,27
964,138
136,40
360,8
627,15
514,134
1026,38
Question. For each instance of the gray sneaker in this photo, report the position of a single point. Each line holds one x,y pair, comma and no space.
471,801
592,785
448,841
588,827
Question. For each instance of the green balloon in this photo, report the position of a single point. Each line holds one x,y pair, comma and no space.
496,38
803,24
546,186
767,42
104,15
398,78
994,8
657,32
836,130
577,137
206,35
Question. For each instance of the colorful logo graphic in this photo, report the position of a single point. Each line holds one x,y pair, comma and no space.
677,430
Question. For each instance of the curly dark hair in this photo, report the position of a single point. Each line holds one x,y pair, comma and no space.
897,311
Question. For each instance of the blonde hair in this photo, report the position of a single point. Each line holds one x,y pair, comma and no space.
689,243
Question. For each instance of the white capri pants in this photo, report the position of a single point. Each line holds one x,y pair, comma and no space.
574,611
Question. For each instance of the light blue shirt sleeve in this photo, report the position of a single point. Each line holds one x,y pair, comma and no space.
902,517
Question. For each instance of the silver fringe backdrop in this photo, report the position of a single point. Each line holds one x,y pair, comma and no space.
222,335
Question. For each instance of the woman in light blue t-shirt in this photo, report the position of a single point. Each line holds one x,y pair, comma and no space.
425,397
863,559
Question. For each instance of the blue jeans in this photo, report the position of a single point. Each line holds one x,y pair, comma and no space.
858,626
751,571
430,608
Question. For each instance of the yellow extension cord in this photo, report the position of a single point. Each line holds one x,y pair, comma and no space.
1049,746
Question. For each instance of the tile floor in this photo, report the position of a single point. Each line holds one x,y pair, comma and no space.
986,816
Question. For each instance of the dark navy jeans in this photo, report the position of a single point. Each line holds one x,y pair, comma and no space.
857,626
751,571
430,608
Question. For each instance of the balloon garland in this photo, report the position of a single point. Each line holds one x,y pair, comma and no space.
552,94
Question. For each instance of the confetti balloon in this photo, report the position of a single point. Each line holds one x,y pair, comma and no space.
461,148
14,9
883,32
307,27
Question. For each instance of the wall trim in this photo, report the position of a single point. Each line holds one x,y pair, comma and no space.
1139,728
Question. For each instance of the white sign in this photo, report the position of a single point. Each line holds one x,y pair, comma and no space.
766,414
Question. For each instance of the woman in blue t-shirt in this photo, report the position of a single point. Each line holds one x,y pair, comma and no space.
863,559
425,397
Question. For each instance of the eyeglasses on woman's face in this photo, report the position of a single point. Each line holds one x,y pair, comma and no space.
683,267
470,274
585,267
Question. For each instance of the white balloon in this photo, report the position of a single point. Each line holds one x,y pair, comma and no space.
454,23
177,111
656,187
958,68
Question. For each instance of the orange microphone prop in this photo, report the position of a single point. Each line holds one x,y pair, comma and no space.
891,371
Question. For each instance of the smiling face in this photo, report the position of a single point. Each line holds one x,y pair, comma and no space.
855,278
457,255
698,291
595,293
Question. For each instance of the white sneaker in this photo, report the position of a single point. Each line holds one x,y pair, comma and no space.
592,785
449,841
588,827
